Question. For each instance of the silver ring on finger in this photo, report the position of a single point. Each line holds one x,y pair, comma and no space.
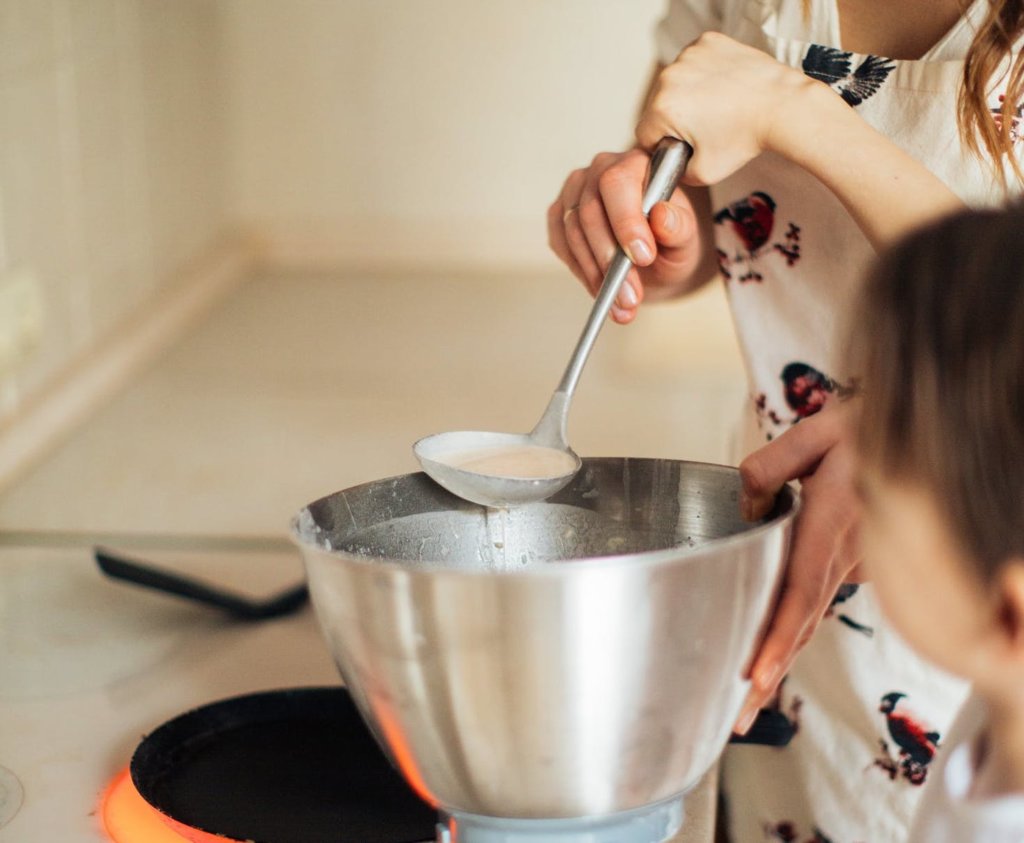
571,210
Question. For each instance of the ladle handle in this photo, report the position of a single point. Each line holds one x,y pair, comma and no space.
668,163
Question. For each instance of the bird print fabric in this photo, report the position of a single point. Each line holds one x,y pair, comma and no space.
806,391
846,592
787,295
916,744
751,222
835,68
1016,119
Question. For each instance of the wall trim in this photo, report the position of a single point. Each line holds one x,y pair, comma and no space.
394,245
50,415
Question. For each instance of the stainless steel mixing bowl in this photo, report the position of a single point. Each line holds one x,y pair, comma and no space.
580,656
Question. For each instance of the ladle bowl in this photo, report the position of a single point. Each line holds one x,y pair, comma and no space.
499,489
576,657
435,455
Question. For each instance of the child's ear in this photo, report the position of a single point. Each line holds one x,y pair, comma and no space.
1010,608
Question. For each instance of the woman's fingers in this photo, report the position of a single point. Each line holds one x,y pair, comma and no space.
580,233
572,229
725,99
675,228
557,242
823,554
813,576
621,192
595,225
631,294
672,223
579,248
791,456
600,209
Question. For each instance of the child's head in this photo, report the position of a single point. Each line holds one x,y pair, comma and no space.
938,340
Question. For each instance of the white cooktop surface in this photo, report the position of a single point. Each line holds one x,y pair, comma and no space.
90,665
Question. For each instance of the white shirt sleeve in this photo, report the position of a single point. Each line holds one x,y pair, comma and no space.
947,813
684,22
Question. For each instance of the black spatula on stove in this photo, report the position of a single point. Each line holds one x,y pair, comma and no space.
240,606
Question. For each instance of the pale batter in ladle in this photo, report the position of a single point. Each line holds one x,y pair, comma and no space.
517,461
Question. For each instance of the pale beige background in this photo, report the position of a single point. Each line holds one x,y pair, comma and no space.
401,138
427,130
111,160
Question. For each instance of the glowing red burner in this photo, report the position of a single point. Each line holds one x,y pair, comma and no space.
127,818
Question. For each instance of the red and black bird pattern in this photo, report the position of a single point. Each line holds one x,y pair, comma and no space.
806,391
752,222
752,218
916,744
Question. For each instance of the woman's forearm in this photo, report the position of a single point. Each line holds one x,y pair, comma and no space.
886,191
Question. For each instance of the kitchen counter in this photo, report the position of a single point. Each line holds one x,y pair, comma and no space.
299,386
89,666
293,388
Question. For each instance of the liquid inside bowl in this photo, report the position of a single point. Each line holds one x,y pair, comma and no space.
611,508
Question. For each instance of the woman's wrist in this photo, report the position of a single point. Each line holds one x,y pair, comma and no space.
808,113
885,190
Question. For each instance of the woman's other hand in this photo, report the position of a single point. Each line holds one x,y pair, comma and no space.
731,102
824,552
600,207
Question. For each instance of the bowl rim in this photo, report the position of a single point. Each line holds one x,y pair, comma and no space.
646,558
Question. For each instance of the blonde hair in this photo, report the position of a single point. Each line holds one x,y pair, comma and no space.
985,132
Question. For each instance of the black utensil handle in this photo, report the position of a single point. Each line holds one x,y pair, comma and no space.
145,574
771,728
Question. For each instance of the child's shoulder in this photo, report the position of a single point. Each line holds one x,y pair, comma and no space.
950,810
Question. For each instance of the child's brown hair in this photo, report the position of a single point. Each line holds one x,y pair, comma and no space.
937,340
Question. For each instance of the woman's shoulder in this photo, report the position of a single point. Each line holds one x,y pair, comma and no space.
744,20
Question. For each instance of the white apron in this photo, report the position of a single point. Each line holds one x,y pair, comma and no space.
792,258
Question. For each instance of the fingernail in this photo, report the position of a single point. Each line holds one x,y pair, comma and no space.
639,252
755,507
746,721
627,296
670,221
766,676
746,507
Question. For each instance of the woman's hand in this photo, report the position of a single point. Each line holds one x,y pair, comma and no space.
599,207
824,553
731,102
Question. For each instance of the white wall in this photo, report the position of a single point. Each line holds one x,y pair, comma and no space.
111,160
387,131
348,132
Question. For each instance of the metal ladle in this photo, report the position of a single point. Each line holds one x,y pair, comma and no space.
433,452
